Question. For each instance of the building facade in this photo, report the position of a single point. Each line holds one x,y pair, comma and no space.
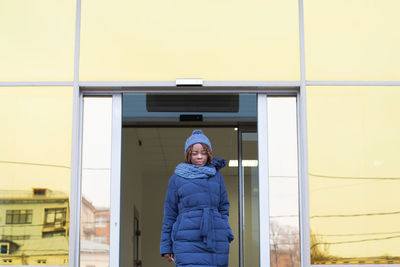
36,227
299,96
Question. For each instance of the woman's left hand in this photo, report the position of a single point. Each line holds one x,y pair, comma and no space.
169,256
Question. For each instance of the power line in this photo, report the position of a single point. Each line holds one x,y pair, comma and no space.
355,241
355,215
353,178
35,164
360,234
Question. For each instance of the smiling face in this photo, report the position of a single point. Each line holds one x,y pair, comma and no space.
199,155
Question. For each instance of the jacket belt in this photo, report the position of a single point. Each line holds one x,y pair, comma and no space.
207,232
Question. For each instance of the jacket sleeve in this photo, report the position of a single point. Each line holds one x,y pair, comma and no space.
224,207
170,214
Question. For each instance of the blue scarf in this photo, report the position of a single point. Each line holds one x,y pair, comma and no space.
192,171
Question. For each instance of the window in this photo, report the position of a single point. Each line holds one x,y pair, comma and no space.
18,216
101,221
54,233
4,249
39,191
96,173
55,217
100,239
55,222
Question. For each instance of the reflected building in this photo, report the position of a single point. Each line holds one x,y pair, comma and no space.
34,227
95,235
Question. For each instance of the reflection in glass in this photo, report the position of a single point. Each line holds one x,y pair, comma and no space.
96,162
251,235
354,174
35,151
283,182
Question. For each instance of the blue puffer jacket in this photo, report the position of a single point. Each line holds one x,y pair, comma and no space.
195,226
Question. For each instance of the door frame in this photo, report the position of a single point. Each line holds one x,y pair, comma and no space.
262,130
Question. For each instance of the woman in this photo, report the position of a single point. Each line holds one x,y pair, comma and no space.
196,229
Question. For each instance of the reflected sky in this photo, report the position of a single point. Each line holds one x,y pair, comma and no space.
96,151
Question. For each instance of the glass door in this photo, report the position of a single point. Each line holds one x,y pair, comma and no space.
249,235
279,181
100,181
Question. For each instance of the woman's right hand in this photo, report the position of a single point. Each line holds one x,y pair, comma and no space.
169,256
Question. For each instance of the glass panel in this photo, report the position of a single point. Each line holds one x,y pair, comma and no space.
283,182
40,38
251,238
96,177
251,42
360,46
35,155
354,175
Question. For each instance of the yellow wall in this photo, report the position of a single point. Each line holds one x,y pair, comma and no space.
37,40
159,40
35,152
36,137
236,40
353,145
355,40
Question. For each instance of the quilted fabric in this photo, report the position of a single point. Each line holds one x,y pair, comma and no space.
195,225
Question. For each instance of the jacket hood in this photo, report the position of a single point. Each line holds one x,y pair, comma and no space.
218,163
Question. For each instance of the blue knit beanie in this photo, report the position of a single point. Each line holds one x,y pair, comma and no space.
197,137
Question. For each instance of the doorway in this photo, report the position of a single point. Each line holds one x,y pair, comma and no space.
152,145
145,140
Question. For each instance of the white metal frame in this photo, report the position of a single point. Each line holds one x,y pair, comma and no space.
116,134
262,122
115,183
262,132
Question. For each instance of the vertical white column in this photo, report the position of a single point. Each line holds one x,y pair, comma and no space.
305,255
262,129
116,135
76,171
241,200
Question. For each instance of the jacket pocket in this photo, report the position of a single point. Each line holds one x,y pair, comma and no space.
175,228
229,230
173,231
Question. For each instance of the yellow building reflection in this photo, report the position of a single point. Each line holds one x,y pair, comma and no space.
35,227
